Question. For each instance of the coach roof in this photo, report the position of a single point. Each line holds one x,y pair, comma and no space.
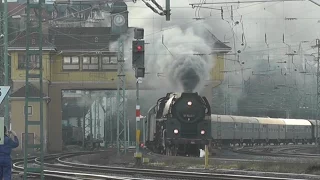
298,122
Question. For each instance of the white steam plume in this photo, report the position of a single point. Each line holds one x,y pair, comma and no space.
180,62
262,25
177,59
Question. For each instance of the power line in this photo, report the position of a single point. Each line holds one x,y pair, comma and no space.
241,2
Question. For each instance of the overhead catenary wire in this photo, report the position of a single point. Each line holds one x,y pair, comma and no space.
161,13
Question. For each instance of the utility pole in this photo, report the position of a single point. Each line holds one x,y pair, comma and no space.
105,130
318,92
121,94
138,63
128,134
90,121
167,11
138,154
6,63
95,119
111,119
34,50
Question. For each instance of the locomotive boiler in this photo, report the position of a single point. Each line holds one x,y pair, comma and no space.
179,124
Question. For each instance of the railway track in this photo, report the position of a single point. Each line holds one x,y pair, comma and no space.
56,167
282,152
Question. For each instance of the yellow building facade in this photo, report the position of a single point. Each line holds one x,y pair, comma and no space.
18,123
71,69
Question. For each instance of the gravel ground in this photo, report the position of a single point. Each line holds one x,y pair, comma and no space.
16,176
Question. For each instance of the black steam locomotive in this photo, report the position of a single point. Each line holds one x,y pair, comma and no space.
179,124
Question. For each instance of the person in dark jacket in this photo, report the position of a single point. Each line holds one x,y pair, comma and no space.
5,153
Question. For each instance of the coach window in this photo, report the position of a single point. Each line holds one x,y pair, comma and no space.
71,63
90,62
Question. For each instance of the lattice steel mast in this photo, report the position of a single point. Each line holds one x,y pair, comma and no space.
36,54
121,93
6,62
318,92
2,54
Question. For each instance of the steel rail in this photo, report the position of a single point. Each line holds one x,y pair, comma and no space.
55,174
159,173
279,153
88,171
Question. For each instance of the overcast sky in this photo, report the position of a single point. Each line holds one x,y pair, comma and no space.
257,29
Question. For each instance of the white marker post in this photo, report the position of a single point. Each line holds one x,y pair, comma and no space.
3,93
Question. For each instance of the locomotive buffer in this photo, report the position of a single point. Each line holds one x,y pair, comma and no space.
138,65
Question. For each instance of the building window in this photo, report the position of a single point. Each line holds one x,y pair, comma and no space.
105,60
34,62
71,63
29,110
109,62
90,63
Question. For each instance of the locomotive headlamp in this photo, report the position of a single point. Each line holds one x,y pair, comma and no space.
189,103
176,131
203,132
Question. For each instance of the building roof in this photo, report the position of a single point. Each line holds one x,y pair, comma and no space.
33,92
82,38
74,39
19,42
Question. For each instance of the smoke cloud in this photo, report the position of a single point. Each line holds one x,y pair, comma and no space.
177,59
183,67
260,34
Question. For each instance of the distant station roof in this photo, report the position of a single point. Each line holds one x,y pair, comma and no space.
19,9
15,8
218,46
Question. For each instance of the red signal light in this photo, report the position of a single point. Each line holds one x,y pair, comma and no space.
139,48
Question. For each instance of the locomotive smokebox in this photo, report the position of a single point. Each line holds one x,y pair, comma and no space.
189,80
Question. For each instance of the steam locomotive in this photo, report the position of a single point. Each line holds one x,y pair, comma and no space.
179,124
